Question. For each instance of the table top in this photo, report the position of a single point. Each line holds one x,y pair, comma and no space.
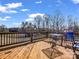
56,34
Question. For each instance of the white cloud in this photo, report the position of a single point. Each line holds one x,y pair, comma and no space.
5,18
16,24
31,16
29,19
36,14
3,8
75,1
14,5
9,11
24,10
10,7
38,2
13,11
59,2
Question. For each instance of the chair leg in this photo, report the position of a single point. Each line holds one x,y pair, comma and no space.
74,55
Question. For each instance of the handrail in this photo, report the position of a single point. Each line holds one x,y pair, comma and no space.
8,38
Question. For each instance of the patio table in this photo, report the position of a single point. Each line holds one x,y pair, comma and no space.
57,35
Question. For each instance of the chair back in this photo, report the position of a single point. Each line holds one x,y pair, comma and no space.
70,36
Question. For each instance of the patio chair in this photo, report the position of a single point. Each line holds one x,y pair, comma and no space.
56,38
69,40
76,48
54,41
75,43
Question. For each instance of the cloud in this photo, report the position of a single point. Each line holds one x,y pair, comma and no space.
38,2
29,19
16,24
9,11
3,8
5,18
36,14
75,1
59,2
13,11
14,5
31,16
24,10
10,7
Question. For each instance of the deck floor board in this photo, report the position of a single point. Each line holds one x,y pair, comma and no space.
32,51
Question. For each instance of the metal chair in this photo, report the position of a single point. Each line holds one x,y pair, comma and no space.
76,48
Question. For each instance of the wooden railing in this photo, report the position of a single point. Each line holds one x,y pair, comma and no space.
10,38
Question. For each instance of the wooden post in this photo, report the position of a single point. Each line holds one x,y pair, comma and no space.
1,39
4,38
9,38
61,40
46,34
31,35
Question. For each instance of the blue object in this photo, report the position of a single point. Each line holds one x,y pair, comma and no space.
70,36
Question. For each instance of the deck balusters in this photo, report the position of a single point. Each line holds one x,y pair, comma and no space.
10,38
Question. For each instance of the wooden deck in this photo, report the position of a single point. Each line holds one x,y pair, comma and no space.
33,51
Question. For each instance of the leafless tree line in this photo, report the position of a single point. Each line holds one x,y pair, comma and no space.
55,23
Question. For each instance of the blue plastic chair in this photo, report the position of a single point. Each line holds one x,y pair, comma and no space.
70,39
70,36
75,43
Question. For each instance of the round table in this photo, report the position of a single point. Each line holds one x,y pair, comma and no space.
58,35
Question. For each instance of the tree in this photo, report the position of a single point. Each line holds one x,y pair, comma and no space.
76,26
30,25
73,24
46,20
37,20
2,28
70,22
58,22
24,24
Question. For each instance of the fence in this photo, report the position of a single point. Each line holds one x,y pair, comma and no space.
18,37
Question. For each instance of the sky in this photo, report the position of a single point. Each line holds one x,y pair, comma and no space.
13,12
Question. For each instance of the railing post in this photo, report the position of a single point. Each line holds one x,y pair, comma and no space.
61,40
1,39
31,35
9,38
46,34
4,38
